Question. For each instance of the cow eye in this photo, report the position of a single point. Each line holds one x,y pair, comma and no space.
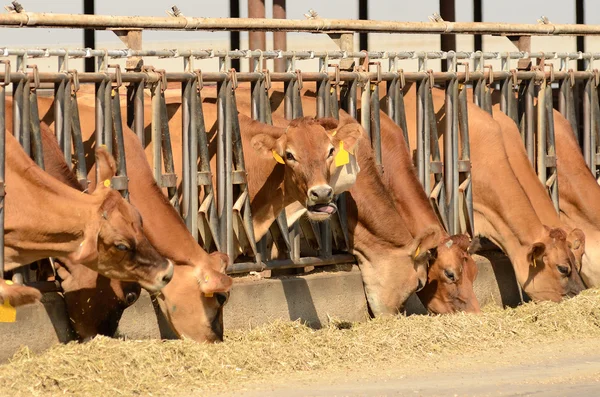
290,156
222,298
564,270
331,152
130,298
450,275
122,247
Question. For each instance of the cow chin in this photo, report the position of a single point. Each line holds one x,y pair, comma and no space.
321,212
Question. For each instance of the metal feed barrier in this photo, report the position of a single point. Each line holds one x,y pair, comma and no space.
224,221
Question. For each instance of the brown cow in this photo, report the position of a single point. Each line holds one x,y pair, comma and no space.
502,210
451,270
579,197
538,196
45,218
197,274
94,303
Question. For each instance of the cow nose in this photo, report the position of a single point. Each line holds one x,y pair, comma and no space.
320,194
168,275
420,284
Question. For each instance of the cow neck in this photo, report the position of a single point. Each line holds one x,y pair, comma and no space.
163,226
401,179
52,217
506,216
371,212
517,157
579,191
266,178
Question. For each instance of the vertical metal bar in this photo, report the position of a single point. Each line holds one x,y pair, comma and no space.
466,155
228,171
156,133
119,142
421,125
447,41
390,96
59,112
34,120
186,133
234,37
363,14
529,121
450,158
550,146
193,155
477,17
138,112
588,124
365,113
223,177
255,100
80,168
108,123
89,35
321,99
279,38
26,131
99,92
352,98
541,134
18,110
288,100
376,123
595,114
67,144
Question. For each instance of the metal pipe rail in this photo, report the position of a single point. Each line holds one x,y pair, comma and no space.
317,25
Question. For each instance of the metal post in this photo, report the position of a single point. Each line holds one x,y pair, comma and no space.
257,40
89,35
363,14
580,40
529,122
447,41
279,38
542,125
156,132
234,36
477,17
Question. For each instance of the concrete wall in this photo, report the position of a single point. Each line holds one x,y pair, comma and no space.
314,299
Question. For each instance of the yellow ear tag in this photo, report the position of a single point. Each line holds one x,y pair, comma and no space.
278,158
8,282
534,263
334,132
107,183
342,157
209,295
8,314
418,251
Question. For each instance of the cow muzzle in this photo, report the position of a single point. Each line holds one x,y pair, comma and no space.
319,203
161,280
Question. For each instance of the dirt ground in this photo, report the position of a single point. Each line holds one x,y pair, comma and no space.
559,369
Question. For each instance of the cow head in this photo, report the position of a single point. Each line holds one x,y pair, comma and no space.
450,277
94,303
552,267
390,278
193,302
114,244
307,151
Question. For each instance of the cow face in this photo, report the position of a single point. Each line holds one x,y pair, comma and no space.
307,151
193,302
552,271
95,303
450,277
114,244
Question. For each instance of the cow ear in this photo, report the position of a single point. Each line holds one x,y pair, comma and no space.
474,246
576,239
268,146
211,281
106,168
87,252
534,253
329,123
349,134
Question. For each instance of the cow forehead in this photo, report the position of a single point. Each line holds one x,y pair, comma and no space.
311,138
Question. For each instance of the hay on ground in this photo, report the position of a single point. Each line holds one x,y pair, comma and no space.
180,367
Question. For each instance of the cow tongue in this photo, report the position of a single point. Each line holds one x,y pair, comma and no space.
326,208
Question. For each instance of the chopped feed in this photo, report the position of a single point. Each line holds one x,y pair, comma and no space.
154,367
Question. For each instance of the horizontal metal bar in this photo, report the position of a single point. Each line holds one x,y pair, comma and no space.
290,263
298,55
317,25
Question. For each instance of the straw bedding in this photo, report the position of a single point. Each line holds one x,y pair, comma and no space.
154,367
